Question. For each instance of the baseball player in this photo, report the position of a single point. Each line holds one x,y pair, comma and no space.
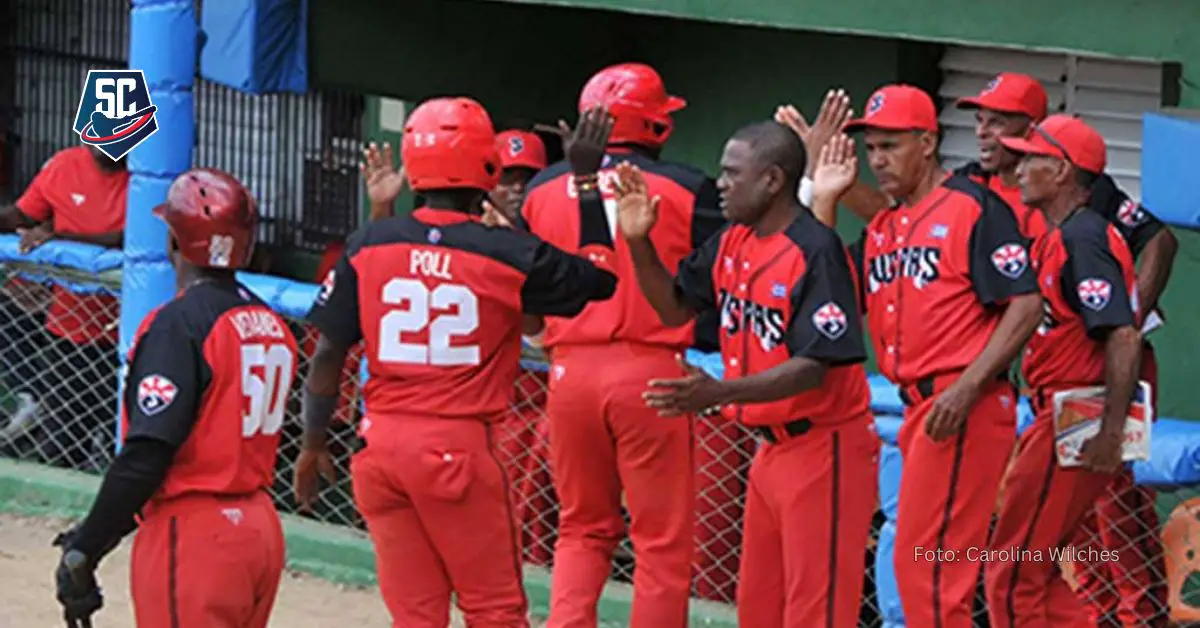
791,340
205,394
522,155
78,195
1088,336
949,301
603,439
1132,588
437,297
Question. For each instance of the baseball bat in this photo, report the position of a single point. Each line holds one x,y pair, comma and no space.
76,562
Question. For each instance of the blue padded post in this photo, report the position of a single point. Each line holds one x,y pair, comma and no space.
163,45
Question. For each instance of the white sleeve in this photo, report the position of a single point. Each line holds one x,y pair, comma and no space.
806,192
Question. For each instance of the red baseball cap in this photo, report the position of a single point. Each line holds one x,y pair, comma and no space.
1010,92
1063,137
521,149
897,108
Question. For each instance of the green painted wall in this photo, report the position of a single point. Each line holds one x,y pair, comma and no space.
1151,29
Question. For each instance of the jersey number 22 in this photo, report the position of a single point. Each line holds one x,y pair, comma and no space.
266,379
419,315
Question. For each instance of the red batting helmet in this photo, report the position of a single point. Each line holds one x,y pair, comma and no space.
638,101
450,143
212,218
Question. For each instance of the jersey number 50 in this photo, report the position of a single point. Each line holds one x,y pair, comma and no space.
266,378
417,316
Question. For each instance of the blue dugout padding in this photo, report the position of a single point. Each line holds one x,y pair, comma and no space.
162,44
256,46
1170,187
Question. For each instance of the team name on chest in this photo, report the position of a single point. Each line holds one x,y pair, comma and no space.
738,315
435,264
606,182
257,325
921,264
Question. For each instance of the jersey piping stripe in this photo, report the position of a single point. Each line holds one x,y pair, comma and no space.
513,540
955,469
1009,598
172,572
831,595
900,292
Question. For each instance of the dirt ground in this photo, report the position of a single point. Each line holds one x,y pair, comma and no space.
27,596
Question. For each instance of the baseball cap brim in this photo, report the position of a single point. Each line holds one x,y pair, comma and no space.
1032,146
983,102
859,124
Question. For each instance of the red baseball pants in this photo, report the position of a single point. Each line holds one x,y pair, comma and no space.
1131,589
808,518
1042,511
603,438
207,561
948,495
437,504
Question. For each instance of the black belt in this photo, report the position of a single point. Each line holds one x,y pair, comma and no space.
927,386
775,434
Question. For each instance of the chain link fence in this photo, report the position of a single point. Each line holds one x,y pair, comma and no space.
58,367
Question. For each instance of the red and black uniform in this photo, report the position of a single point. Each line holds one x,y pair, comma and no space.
936,277
438,297
205,395
603,437
812,486
1132,587
1086,275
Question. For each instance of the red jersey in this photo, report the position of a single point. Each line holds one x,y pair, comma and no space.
209,374
438,297
791,294
936,276
689,215
80,198
1086,275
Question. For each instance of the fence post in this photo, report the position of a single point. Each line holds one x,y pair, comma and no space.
162,43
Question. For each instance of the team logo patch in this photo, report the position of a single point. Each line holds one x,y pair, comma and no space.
327,285
115,113
993,84
515,146
155,393
830,320
875,104
1094,293
939,231
434,236
778,290
1010,259
1130,213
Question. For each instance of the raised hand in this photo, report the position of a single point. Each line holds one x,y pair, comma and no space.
836,169
384,181
586,144
493,216
835,111
637,213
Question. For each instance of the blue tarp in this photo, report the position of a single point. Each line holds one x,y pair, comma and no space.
256,46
